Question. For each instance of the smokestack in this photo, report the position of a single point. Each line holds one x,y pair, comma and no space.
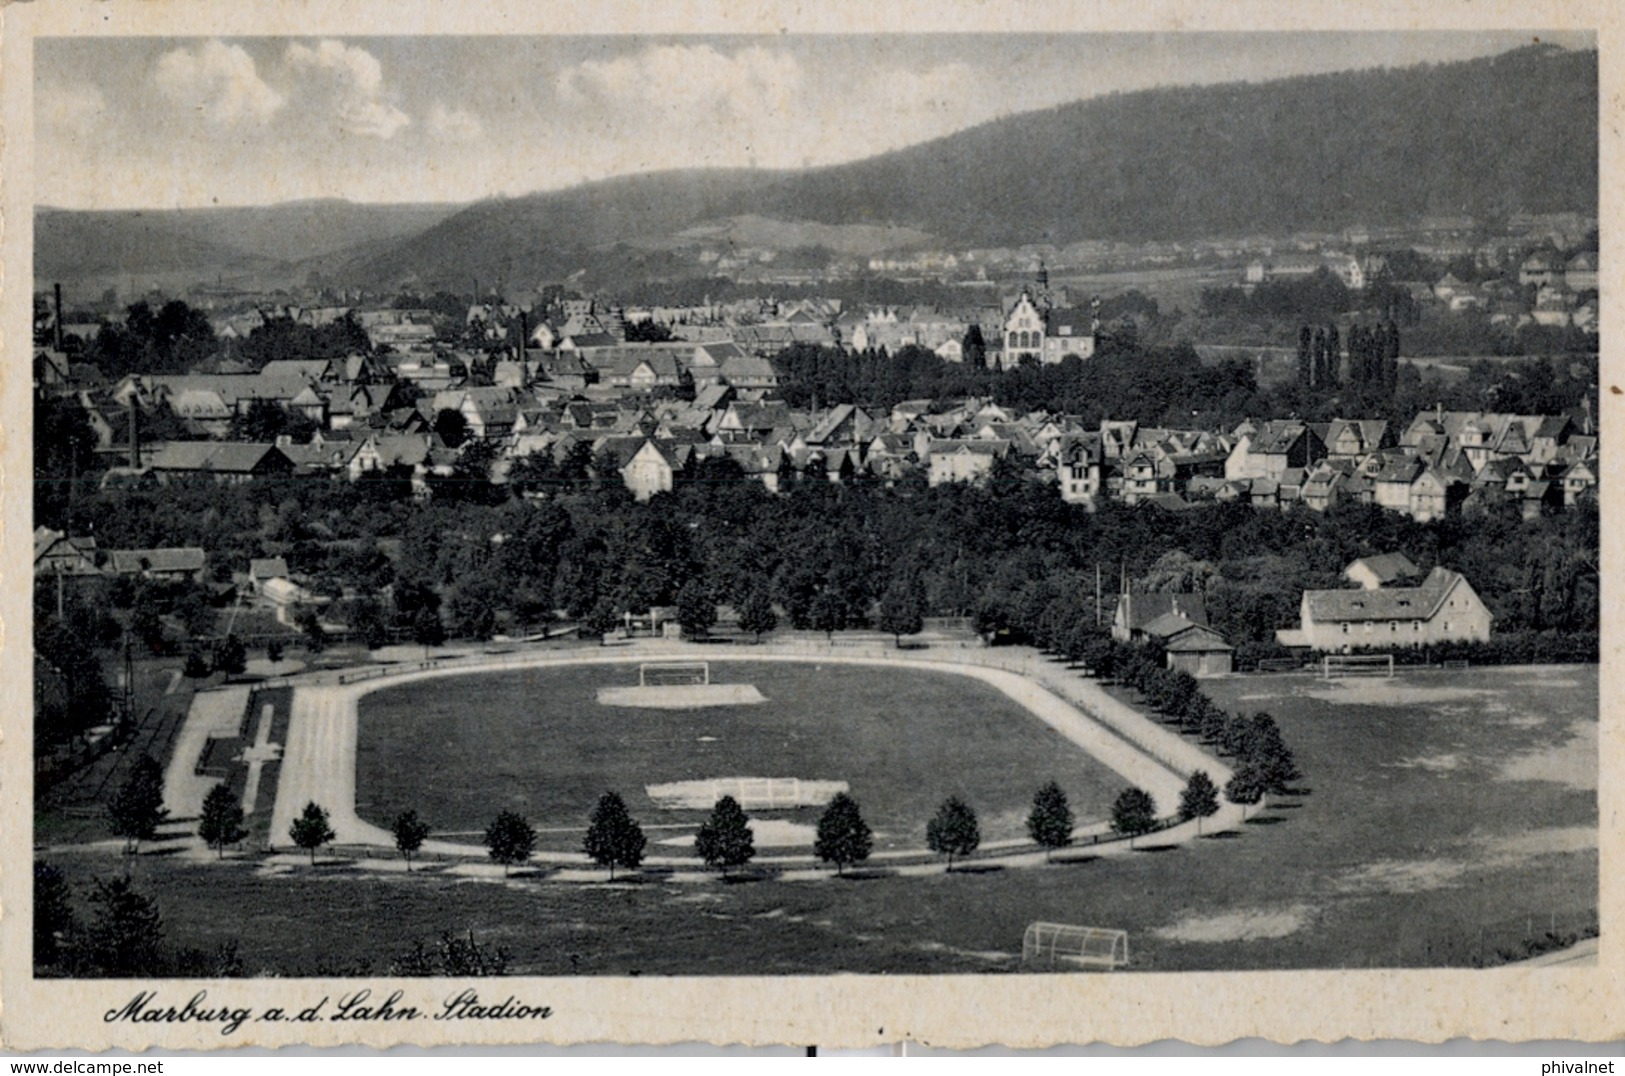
58,288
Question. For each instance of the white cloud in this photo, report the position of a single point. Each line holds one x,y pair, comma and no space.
218,80
682,81
454,124
356,79
74,108
918,105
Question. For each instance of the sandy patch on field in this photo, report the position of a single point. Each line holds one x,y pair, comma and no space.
1252,924
1524,721
1540,842
1389,693
765,833
681,696
1483,853
1572,762
1402,876
989,955
1431,763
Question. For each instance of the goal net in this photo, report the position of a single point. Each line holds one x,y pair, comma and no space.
1339,666
1062,944
673,673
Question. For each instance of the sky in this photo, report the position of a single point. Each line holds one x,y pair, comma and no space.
150,122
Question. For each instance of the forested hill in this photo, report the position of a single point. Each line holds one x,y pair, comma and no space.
1497,135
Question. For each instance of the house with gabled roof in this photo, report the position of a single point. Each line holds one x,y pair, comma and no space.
1353,438
746,371
1198,650
1442,608
844,424
1382,570
651,468
175,563
230,462
1434,495
1136,612
963,460
56,553
1578,480
1271,448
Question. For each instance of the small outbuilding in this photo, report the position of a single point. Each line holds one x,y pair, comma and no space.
1200,651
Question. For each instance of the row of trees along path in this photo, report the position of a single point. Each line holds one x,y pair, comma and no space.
615,840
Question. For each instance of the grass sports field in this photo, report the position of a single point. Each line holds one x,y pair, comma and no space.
459,749
1452,817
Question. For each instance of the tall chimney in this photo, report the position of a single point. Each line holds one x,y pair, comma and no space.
58,288
524,339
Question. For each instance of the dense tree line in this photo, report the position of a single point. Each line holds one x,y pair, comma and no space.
169,340
1154,385
285,338
818,556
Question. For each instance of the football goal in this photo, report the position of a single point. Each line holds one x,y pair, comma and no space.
1062,944
673,673
1339,666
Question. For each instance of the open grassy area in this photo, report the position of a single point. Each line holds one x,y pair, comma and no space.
1452,817
460,749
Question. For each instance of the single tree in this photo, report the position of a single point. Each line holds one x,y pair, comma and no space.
230,657
696,610
315,634
902,610
221,821
125,938
614,839
410,833
1244,788
427,630
827,613
197,666
53,914
954,831
973,349
843,836
725,839
138,808
311,830
509,840
756,613
273,651
602,618
1268,752
1050,821
1199,800
1134,813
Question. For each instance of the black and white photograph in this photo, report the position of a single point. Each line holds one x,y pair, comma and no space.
683,508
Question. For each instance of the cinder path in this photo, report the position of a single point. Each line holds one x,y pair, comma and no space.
318,763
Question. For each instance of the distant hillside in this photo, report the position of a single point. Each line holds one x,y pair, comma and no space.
1497,135
553,234
1485,137
258,244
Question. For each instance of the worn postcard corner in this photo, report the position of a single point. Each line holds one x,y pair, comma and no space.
1069,526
